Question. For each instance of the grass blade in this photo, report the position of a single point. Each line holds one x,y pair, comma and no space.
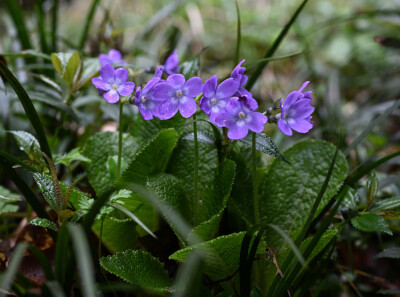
254,64
89,19
19,22
44,262
253,78
28,107
41,25
375,122
83,258
188,279
54,24
55,289
27,54
61,254
238,35
12,269
133,217
15,161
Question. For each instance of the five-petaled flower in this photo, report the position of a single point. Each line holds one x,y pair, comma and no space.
113,56
171,65
113,82
215,98
144,99
175,94
239,118
296,112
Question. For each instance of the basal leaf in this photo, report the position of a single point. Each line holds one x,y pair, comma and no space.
221,255
139,268
98,149
393,253
372,223
288,191
263,144
151,158
45,223
71,68
386,204
8,201
72,156
25,140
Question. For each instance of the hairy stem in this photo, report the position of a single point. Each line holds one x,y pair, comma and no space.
256,202
119,139
196,167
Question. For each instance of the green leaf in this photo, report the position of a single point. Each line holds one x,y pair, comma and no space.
114,235
8,201
44,223
151,158
28,108
190,68
386,204
288,191
372,223
25,140
351,199
221,255
238,35
393,253
263,144
98,149
139,268
72,156
66,65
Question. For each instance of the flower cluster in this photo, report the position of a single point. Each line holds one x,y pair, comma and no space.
227,104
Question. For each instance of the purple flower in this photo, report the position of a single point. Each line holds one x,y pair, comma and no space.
239,118
159,71
113,56
176,94
296,112
215,99
238,75
171,65
113,82
144,99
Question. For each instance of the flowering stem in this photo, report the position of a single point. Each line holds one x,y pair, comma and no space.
101,235
196,167
119,140
256,202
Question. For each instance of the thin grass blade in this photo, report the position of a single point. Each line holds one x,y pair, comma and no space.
133,217
89,19
55,288
54,23
17,16
238,35
12,269
369,128
188,279
15,161
44,262
41,25
253,78
28,107
83,259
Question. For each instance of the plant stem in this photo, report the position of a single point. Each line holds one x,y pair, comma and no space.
196,167
256,202
101,234
119,139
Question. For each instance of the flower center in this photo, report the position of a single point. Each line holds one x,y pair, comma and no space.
179,94
143,99
213,101
241,115
285,116
114,86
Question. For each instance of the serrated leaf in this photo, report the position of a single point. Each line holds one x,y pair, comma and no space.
372,223
351,198
139,268
386,204
288,191
98,149
26,141
44,223
151,158
71,156
393,253
190,68
263,144
221,255
57,63
71,68
8,201
114,235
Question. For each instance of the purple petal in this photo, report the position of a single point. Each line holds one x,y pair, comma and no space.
167,110
115,55
257,122
100,84
300,125
138,94
205,105
238,71
188,108
111,96
210,86
220,119
303,86
107,73
104,60
161,91
146,114
307,95
283,126
291,99
159,71
152,82
126,89
194,86
227,88
176,81
244,92
171,65
302,108
237,131
121,75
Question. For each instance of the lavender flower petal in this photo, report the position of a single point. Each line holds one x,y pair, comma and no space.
111,96
126,89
